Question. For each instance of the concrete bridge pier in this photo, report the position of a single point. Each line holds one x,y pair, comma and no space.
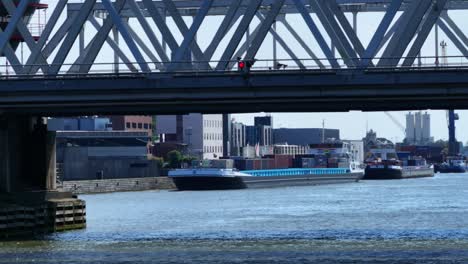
27,155
29,200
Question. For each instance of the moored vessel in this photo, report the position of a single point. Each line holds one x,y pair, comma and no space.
395,169
224,179
451,165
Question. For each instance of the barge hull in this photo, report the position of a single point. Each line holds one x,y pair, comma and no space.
302,180
390,174
242,182
208,183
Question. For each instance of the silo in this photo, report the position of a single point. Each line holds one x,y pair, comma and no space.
426,127
418,127
410,128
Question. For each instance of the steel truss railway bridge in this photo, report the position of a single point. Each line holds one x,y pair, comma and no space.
180,56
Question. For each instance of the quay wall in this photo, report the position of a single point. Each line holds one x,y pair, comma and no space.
118,185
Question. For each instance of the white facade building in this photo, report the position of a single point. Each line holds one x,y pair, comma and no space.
203,134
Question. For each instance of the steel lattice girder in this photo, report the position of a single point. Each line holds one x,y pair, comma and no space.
220,7
415,22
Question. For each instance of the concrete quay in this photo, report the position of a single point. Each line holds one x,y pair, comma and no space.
118,185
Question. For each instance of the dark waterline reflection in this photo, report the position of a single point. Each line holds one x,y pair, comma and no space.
401,221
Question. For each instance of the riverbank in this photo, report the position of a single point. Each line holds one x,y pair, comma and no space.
118,185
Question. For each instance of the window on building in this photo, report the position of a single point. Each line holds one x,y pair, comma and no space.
127,125
145,126
134,125
140,125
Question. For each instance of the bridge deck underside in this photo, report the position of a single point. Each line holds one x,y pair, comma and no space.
237,93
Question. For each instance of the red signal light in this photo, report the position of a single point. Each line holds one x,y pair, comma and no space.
241,65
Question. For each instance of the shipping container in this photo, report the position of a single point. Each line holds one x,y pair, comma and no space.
271,164
343,164
308,163
249,164
240,164
257,164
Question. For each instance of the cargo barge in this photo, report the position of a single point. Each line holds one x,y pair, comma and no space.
225,179
394,169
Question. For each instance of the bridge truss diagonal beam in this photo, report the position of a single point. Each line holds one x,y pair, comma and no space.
73,33
460,46
51,45
124,31
161,24
412,19
112,43
5,47
11,56
333,29
180,23
227,23
189,37
264,29
277,37
348,29
84,63
423,33
238,34
316,33
456,30
148,30
36,52
379,37
24,32
302,43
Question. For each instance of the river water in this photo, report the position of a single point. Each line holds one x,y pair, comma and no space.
395,221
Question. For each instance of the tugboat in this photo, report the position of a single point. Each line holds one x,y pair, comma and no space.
452,165
397,169
384,164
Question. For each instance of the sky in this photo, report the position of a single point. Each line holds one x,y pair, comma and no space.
351,124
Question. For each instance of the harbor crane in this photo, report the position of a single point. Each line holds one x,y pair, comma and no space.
396,122
453,146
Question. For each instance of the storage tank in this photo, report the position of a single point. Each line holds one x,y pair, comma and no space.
410,138
426,127
418,126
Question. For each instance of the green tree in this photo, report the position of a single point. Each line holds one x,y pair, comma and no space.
174,158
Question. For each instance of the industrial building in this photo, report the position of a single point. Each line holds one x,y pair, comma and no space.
135,123
79,124
304,136
90,155
203,134
238,138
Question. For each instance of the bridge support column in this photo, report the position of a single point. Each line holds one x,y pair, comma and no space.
226,135
28,194
27,155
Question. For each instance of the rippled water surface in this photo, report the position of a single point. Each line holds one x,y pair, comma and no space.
396,221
